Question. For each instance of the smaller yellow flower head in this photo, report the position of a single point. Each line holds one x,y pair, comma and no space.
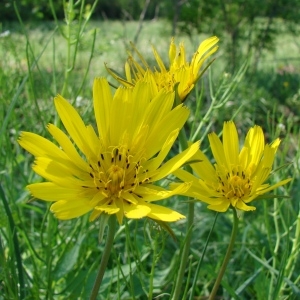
237,177
180,71
111,170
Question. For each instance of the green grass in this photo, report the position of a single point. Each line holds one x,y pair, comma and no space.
44,258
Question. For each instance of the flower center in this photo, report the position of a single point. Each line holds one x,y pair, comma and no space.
116,175
165,80
117,171
234,185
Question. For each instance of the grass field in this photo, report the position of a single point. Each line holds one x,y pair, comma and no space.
45,258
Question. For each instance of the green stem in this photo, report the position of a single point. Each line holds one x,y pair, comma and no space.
150,295
105,256
227,256
18,257
185,252
190,221
201,259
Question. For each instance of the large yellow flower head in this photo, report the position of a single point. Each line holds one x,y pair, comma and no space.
237,177
180,71
114,170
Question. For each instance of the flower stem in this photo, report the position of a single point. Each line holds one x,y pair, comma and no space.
105,256
227,256
201,259
185,253
189,225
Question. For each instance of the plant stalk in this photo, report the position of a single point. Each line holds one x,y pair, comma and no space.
189,225
227,256
105,256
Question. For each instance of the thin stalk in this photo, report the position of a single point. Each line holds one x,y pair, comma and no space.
201,259
49,293
189,225
227,256
18,257
150,295
68,69
105,256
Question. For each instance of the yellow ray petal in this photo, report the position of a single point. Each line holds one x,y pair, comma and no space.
255,141
72,122
156,162
217,150
102,103
220,207
153,193
203,168
242,206
138,211
40,147
272,187
66,210
49,191
58,173
159,60
67,146
94,215
172,51
164,214
176,162
231,143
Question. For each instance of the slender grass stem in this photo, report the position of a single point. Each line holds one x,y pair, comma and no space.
13,229
105,257
190,221
151,277
201,259
227,256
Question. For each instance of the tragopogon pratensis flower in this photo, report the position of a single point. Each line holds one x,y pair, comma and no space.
237,177
114,170
180,70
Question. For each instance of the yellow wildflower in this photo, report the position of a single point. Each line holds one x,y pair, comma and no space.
114,170
180,72
237,177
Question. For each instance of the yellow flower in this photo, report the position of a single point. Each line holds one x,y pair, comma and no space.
237,178
180,71
114,170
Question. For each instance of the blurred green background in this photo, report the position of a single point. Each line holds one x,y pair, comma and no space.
49,47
